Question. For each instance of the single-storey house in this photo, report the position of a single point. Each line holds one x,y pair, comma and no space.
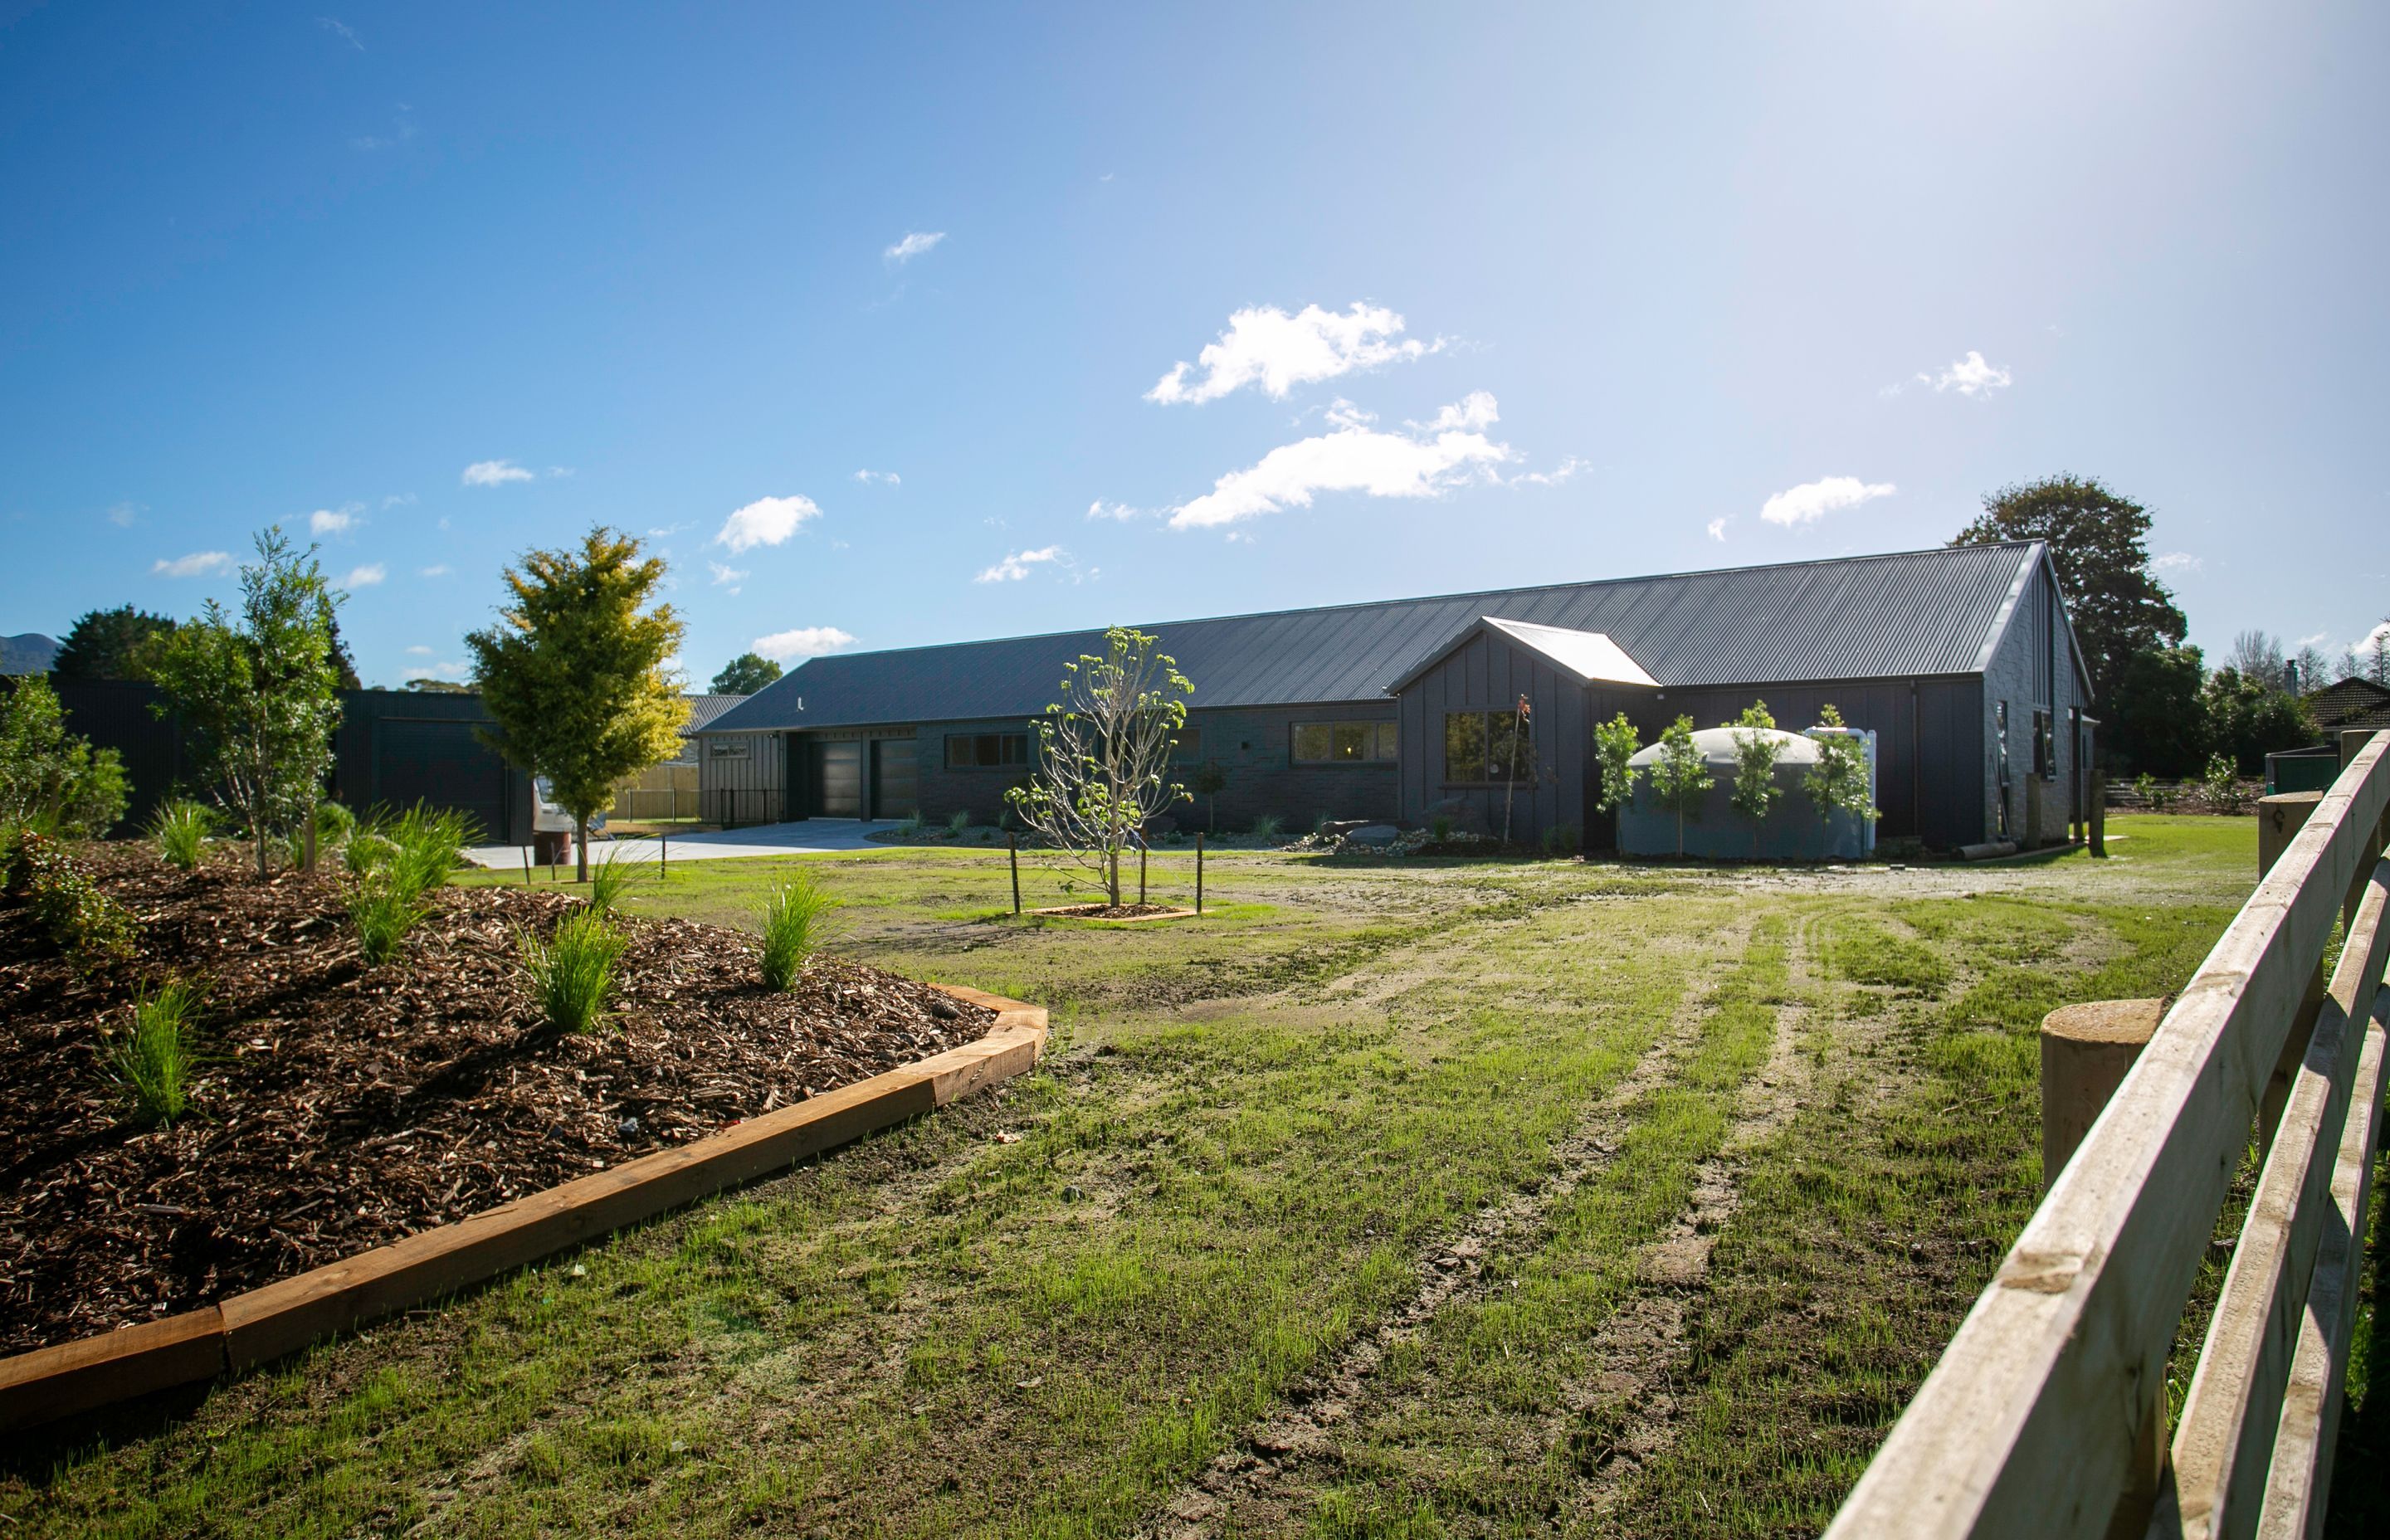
1960,660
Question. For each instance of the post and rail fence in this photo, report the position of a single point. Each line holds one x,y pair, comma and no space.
2048,1414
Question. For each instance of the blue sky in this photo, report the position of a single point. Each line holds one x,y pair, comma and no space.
1494,295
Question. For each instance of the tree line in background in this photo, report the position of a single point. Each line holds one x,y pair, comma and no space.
2164,710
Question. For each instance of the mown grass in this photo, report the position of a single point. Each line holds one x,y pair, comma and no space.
1255,1132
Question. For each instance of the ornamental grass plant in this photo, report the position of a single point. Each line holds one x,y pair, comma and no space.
571,974
795,922
155,1062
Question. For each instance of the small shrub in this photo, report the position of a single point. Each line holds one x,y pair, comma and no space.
1320,825
428,842
609,880
179,829
1267,827
795,921
1440,829
381,913
2222,783
912,824
68,905
572,972
1561,839
960,825
155,1062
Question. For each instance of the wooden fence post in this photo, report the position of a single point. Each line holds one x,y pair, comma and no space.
1199,871
2099,811
2085,1052
1140,871
1012,853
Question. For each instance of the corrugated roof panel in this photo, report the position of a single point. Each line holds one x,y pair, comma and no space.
1908,614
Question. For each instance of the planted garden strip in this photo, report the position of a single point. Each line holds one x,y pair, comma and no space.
265,1323
1082,911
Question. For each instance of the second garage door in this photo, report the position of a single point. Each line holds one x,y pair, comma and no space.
894,785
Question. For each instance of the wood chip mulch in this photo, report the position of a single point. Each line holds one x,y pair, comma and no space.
340,1107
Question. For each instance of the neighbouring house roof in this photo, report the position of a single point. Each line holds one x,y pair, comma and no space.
704,709
1939,611
1590,656
2349,703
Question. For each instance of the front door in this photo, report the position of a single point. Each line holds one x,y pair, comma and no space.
838,779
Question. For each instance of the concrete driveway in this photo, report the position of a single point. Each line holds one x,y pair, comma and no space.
815,836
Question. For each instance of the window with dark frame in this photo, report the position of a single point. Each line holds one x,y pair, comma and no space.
728,748
986,751
1344,742
2045,744
1488,748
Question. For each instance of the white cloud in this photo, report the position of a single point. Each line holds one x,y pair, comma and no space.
457,672
493,473
725,576
885,478
1121,511
1355,458
1718,529
341,31
913,245
561,471
1015,567
2177,561
419,651
339,520
1813,500
765,522
364,576
805,641
121,515
398,500
196,564
1970,377
1266,347
1563,471
436,570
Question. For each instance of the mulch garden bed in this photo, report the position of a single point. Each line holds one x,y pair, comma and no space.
1115,911
340,1107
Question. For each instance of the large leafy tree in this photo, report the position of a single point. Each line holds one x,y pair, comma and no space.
575,673
745,674
2155,716
109,644
1756,750
259,691
2098,541
1680,777
1104,748
2250,717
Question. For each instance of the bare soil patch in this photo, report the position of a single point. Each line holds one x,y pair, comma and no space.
340,1107
1118,911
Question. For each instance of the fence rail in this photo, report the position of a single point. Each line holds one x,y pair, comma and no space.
2046,1414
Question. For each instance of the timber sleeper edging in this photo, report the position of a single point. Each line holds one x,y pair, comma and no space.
283,1316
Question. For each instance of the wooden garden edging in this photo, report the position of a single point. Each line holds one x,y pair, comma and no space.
2046,1414
281,1317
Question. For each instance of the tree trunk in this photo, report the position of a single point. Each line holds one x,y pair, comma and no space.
581,847
1112,875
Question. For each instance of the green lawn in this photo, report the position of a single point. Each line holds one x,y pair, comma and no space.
1388,1198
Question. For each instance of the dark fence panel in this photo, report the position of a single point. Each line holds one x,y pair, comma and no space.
392,748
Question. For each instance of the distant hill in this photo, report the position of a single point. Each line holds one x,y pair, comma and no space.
31,653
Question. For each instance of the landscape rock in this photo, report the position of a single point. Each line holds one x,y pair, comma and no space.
1374,835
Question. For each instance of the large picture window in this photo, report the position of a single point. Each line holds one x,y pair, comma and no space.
1344,742
1480,747
986,751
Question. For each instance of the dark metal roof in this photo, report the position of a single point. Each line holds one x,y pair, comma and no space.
703,708
1895,616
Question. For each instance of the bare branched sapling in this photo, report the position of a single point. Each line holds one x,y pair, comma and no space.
1103,750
